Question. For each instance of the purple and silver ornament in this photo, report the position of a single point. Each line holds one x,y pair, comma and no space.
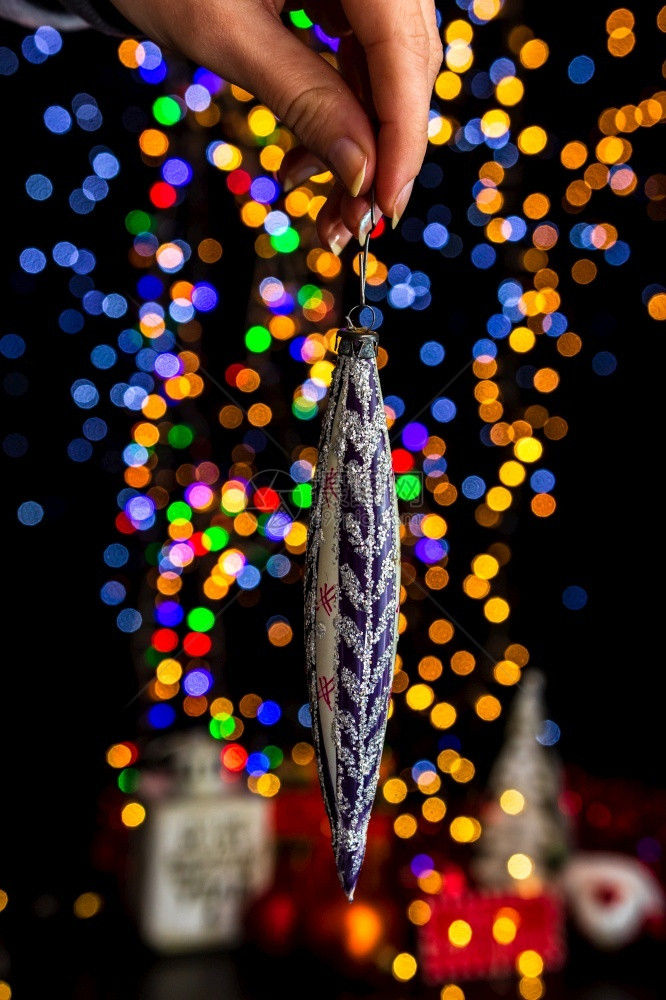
352,586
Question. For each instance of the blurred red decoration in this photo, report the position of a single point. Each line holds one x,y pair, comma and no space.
273,921
305,909
538,924
299,813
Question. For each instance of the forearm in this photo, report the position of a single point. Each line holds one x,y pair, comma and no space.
68,15
32,15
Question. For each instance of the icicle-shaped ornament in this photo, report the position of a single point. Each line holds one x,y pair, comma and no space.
352,586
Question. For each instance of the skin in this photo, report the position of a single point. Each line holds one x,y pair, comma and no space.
368,123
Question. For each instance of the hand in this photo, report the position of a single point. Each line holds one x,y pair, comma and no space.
394,44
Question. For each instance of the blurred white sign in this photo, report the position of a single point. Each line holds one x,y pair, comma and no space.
203,857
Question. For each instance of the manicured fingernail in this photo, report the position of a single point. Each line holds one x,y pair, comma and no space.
300,173
401,203
338,240
349,162
367,224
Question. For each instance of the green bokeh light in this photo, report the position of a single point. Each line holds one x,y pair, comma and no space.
179,509
214,728
128,780
304,409
408,487
152,553
152,656
216,538
222,726
167,110
308,292
200,620
274,754
300,19
302,495
138,222
286,242
257,339
180,436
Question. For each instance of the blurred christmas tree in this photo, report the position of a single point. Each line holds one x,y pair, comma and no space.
524,836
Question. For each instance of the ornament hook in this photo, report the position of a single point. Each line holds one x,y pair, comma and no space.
363,256
363,271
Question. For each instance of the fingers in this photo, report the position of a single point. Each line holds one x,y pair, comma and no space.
328,15
359,215
401,54
245,42
342,215
330,228
297,165
308,95
435,46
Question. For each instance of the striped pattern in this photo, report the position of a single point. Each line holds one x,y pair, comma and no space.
352,589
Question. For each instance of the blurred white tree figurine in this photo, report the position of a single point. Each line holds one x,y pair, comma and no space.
524,838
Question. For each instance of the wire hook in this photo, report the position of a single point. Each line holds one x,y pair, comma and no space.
363,256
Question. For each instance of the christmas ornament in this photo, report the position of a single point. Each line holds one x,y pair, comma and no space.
351,591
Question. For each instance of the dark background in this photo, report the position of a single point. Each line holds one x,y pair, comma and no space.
67,672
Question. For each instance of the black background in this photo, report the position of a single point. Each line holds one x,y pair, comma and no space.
68,674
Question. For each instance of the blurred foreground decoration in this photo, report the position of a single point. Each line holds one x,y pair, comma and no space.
218,867
304,908
524,839
528,881
515,917
613,898
488,935
205,850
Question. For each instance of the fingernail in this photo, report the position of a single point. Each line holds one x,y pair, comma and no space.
349,162
339,240
301,173
367,224
401,203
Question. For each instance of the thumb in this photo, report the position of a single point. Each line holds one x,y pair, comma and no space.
309,96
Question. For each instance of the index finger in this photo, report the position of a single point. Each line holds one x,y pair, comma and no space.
398,46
